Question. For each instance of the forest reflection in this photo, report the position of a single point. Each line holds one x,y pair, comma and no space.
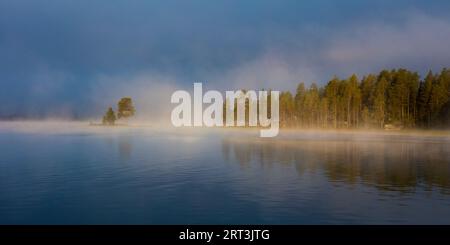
388,165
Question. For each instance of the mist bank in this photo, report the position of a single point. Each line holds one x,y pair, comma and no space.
84,128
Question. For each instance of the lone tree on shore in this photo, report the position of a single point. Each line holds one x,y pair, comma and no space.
125,108
110,117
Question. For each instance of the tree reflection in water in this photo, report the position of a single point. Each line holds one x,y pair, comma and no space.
388,163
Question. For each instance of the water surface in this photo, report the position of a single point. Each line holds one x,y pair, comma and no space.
151,176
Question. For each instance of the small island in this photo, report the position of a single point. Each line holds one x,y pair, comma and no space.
125,110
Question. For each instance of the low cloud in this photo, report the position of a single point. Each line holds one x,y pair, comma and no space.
151,95
269,71
419,42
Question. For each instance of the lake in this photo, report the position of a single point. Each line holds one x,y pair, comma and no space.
76,174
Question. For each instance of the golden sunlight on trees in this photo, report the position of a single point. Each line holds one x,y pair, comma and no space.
396,98
125,108
391,99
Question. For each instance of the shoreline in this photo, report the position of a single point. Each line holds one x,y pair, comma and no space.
61,125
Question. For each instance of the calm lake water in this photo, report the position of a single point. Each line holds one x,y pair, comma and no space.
148,176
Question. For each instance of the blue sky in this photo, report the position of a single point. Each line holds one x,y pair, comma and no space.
65,58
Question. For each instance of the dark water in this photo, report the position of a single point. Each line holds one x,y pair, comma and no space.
141,176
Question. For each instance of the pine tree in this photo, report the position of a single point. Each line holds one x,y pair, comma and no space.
379,102
439,97
125,108
299,104
110,117
424,115
286,108
331,93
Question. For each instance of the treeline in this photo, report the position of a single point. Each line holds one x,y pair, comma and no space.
390,99
396,98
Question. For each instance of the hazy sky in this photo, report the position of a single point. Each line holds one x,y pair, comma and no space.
76,57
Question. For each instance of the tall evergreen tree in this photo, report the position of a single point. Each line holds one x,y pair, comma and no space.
423,115
110,117
379,102
331,93
299,103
